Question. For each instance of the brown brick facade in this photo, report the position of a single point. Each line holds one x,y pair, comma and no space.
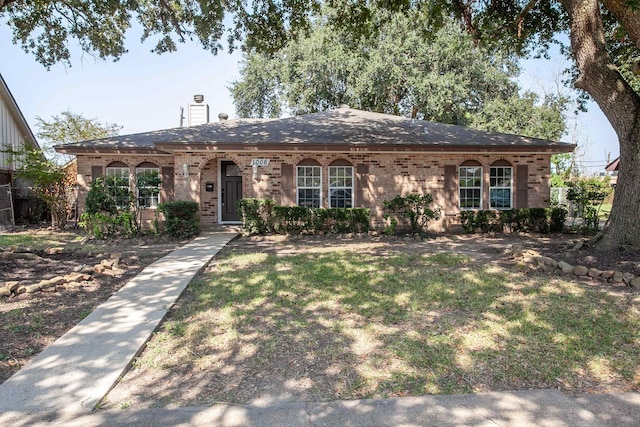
379,176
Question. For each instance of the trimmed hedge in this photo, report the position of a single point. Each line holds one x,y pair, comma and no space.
181,218
263,216
537,220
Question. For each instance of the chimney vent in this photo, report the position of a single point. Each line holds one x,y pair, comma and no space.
198,98
223,117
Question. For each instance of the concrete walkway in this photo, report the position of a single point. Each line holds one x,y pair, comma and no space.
74,373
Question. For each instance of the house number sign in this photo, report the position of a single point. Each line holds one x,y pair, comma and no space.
259,162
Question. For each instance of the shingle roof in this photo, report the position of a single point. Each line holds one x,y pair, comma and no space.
334,128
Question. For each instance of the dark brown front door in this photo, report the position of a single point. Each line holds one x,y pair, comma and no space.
231,183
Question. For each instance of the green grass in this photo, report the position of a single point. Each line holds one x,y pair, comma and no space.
38,241
360,326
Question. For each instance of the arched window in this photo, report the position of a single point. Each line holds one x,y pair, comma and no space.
501,185
470,185
148,185
340,184
117,183
309,184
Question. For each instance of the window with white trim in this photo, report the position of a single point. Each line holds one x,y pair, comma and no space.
500,187
309,188
470,187
341,186
148,187
117,182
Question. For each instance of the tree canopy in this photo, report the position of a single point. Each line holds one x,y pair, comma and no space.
445,78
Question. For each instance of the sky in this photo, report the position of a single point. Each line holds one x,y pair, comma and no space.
144,91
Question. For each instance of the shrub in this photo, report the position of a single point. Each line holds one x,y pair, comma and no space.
261,216
102,217
538,220
256,215
414,209
588,195
181,218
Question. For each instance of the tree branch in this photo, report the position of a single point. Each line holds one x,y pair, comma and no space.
4,3
523,13
628,17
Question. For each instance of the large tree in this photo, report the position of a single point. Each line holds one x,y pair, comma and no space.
400,69
604,37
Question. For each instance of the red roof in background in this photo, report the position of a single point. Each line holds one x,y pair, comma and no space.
613,166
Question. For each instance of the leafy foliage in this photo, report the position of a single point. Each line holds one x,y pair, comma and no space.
588,194
181,218
538,220
414,209
399,69
109,210
70,127
49,182
263,216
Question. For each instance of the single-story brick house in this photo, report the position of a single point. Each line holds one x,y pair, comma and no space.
337,158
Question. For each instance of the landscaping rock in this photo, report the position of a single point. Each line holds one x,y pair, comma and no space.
32,289
594,272
73,277
627,278
114,272
635,283
53,251
72,285
565,267
580,270
544,261
577,246
107,263
78,268
617,277
5,292
87,270
59,280
606,275
49,289
11,285
99,268
21,290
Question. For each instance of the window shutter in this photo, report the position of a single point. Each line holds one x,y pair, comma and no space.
166,190
522,186
287,194
96,171
450,190
362,172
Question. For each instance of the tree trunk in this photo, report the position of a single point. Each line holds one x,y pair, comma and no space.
621,105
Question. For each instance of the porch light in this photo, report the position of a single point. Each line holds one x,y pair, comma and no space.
185,170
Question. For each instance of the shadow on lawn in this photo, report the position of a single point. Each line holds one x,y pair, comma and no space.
265,327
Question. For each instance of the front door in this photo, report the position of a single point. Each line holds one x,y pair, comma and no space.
231,187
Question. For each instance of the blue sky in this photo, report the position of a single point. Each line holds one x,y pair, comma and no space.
144,91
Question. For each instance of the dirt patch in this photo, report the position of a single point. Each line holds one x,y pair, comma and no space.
303,351
30,322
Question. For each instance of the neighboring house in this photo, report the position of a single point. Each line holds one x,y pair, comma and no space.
338,158
15,134
613,169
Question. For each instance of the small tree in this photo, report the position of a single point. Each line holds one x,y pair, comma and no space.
414,208
588,195
49,182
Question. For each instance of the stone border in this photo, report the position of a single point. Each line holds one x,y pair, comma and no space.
530,256
79,278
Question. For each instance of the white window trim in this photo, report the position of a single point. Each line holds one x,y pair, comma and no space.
471,188
341,188
120,169
502,188
307,188
146,169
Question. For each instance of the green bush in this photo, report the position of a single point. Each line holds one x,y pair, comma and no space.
256,215
105,224
180,218
538,220
413,209
261,216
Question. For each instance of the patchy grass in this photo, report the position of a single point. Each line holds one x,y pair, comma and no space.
39,240
341,324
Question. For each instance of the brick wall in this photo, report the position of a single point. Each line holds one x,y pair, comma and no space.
389,174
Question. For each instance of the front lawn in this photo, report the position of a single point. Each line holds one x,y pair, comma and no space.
359,322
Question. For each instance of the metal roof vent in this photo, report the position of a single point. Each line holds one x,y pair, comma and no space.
199,99
223,117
